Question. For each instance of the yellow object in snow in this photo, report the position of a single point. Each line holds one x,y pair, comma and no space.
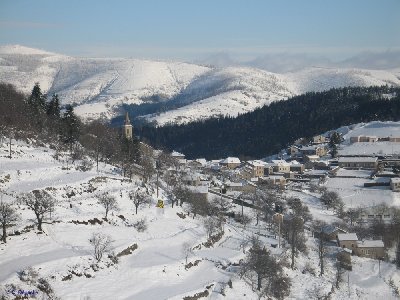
160,204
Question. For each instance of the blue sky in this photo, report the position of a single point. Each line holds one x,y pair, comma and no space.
185,29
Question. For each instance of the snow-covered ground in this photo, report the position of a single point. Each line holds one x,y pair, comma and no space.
156,270
98,87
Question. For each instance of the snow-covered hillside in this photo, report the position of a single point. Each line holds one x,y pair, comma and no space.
156,269
98,87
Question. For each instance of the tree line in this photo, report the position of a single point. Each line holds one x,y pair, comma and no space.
271,128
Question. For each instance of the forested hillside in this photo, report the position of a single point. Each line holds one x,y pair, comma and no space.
271,128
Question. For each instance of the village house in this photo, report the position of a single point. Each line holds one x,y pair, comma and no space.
177,155
319,139
358,162
273,180
379,212
198,163
191,179
179,158
331,232
395,184
268,169
367,248
314,150
230,162
310,160
371,249
296,167
293,151
373,139
234,186
347,240
201,191
280,166
363,139
252,169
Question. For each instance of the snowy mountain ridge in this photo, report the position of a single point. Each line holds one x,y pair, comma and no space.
98,87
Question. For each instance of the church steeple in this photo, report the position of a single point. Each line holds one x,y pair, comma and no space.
127,121
127,127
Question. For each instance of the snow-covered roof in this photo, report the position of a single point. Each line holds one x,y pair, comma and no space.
201,189
257,163
313,157
280,162
395,180
357,159
273,177
234,184
177,154
201,161
347,237
216,161
328,229
370,244
230,160
310,148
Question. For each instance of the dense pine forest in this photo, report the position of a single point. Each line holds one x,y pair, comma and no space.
269,129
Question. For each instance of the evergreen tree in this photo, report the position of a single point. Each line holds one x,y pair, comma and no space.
70,128
37,108
334,140
53,107
37,100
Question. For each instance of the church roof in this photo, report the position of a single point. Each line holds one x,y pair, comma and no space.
127,121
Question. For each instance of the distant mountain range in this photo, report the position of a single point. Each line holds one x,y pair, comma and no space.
103,88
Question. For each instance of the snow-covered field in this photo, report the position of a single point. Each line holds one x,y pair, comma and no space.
98,87
354,194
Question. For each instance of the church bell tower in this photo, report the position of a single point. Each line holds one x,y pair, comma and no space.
127,127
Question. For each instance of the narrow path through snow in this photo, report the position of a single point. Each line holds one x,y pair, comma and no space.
8,268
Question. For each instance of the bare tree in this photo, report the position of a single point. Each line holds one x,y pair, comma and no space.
221,205
211,225
341,262
101,243
332,200
197,203
299,209
186,250
182,194
293,228
139,197
41,203
318,227
149,169
172,181
8,216
108,202
267,271
166,160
